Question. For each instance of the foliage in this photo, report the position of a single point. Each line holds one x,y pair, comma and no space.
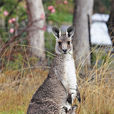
49,46
59,18
62,15
60,9
102,6
16,10
18,69
17,63
101,55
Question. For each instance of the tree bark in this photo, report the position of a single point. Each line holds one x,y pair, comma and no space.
110,22
82,13
36,33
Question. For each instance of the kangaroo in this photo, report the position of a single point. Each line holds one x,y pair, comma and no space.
70,111
60,87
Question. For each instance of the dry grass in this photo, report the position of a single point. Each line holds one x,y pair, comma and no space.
18,86
16,91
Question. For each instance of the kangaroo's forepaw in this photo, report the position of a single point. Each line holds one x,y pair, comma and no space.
71,110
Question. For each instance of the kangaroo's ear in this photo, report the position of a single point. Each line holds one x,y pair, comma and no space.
70,31
56,32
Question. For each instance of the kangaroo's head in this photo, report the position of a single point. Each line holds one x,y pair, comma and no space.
63,41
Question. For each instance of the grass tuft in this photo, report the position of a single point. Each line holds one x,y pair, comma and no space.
17,85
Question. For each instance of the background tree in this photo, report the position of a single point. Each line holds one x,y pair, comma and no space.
110,22
82,12
36,16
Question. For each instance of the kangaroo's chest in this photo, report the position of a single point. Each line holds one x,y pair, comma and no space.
69,80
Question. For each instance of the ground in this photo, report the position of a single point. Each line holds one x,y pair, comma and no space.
17,86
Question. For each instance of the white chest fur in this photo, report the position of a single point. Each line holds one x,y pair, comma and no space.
70,80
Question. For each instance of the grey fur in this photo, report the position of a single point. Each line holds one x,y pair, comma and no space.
52,95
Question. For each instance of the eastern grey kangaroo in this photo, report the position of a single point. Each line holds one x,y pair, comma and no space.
60,87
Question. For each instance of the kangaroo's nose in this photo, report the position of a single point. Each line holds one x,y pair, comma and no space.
64,50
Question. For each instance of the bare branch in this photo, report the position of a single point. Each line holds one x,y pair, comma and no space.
12,39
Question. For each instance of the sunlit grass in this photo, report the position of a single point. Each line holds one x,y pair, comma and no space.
17,85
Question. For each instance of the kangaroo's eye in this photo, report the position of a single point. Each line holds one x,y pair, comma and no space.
59,43
68,42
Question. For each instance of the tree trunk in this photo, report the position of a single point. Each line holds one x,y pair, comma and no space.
110,22
82,17
36,33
